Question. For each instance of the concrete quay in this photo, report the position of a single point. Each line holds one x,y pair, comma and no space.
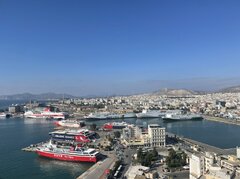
223,120
97,171
208,148
186,142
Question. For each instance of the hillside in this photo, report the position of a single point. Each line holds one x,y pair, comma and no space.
175,92
29,96
233,89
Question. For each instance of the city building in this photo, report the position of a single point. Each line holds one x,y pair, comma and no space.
157,136
196,166
134,136
15,109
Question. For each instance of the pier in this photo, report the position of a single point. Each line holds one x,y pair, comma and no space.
223,120
97,171
209,148
203,146
32,147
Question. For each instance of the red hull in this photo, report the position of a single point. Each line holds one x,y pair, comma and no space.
107,126
65,157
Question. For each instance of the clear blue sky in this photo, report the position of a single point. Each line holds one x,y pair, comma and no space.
118,47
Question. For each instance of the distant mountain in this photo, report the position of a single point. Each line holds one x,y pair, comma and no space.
233,89
29,96
175,92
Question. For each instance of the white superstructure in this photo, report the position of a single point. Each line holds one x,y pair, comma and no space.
44,112
150,114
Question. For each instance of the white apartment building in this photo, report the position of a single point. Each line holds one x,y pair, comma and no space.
156,135
196,166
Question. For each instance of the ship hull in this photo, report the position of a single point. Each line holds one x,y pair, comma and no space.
183,119
62,124
147,116
67,157
40,116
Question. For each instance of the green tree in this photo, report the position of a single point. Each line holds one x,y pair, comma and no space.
147,161
93,127
176,159
139,155
117,134
155,153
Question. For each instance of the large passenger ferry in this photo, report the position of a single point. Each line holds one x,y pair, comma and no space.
74,154
150,114
178,115
80,135
44,112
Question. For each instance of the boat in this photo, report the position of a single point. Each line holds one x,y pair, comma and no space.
73,154
5,115
129,115
182,117
114,116
114,125
104,115
69,123
44,112
74,135
150,114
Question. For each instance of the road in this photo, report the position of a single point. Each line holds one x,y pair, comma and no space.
97,171
179,175
128,153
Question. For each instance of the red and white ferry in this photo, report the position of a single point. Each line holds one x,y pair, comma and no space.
69,123
114,125
44,112
77,154
80,135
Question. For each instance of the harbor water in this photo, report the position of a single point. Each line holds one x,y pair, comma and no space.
17,133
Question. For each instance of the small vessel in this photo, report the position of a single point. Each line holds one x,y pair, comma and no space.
74,154
150,114
69,123
44,113
114,125
5,115
74,135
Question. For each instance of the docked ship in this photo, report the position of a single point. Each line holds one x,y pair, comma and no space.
73,154
79,136
5,115
150,114
69,123
104,115
114,125
129,115
182,117
44,113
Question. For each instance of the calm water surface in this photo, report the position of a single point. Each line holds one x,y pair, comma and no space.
17,133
